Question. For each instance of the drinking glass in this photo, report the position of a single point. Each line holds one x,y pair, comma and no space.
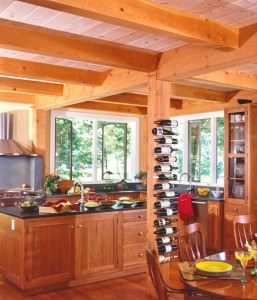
243,257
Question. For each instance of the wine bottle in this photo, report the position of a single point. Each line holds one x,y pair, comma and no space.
162,131
166,230
164,168
166,194
166,240
167,212
169,123
167,248
164,150
163,222
163,186
166,158
166,204
166,140
163,259
165,177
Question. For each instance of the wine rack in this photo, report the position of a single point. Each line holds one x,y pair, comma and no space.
165,205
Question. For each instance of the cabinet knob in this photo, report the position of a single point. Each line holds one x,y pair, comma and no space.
140,254
236,210
140,233
80,226
72,227
140,216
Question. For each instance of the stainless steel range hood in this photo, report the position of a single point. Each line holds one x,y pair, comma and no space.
8,146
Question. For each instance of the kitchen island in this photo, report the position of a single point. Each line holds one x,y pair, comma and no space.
40,252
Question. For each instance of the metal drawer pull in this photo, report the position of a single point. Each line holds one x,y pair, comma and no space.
80,226
140,254
140,233
140,216
72,227
199,202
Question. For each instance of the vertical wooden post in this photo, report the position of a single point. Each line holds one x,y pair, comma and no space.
158,108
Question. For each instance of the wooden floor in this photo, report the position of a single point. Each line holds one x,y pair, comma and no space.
127,288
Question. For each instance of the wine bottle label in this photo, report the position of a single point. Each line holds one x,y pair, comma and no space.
165,168
169,230
165,203
165,150
168,140
165,239
168,248
161,222
169,211
165,186
170,194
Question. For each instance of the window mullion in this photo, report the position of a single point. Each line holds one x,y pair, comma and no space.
94,151
213,149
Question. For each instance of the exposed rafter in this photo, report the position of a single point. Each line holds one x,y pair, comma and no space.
186,92
42,71
232,79
17,98
30,86
147,16
189,61
110,107
125,99
35,39
118,81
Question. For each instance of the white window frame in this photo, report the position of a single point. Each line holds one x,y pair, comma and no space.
185,120
71,115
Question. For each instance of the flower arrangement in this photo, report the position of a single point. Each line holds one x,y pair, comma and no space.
50,184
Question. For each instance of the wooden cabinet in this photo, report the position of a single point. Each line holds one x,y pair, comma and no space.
215,226
49,244
39,254
240,166
97,243
134,239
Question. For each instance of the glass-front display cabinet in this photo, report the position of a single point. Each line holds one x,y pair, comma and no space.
240,166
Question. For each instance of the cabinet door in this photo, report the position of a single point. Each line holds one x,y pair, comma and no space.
49,251
97,244
215,225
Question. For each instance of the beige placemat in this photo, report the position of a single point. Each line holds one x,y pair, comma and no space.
188,272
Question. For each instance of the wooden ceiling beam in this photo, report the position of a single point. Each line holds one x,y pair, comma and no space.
30,86
17,98
49,42
111,107
42,71
118,81
185,92
151,17
192,60
231,79
125,99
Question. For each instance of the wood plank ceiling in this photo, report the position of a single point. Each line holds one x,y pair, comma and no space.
57,53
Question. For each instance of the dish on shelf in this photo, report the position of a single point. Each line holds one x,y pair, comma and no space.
213,268
217,194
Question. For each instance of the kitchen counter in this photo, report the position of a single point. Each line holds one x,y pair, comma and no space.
19,213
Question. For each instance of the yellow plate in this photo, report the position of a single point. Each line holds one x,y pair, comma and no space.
214,266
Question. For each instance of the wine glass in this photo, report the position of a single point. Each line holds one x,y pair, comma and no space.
243,257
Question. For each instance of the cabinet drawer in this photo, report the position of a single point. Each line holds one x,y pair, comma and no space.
134,254
234,210
134,233
134,216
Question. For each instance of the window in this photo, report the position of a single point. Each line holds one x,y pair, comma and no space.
94,147
201,147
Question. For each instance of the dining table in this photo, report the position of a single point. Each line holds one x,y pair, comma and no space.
219,287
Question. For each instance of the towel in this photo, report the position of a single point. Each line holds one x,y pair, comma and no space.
185,208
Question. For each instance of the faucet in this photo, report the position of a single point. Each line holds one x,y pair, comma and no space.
190,188
82,199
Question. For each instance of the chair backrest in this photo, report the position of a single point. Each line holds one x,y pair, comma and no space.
245,226
155,273
191,242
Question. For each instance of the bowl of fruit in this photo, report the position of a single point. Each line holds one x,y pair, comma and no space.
29,206
203,192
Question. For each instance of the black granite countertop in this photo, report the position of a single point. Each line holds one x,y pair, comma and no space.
19,213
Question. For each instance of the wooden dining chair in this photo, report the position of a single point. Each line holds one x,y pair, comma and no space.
162,289
191,242
245,227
